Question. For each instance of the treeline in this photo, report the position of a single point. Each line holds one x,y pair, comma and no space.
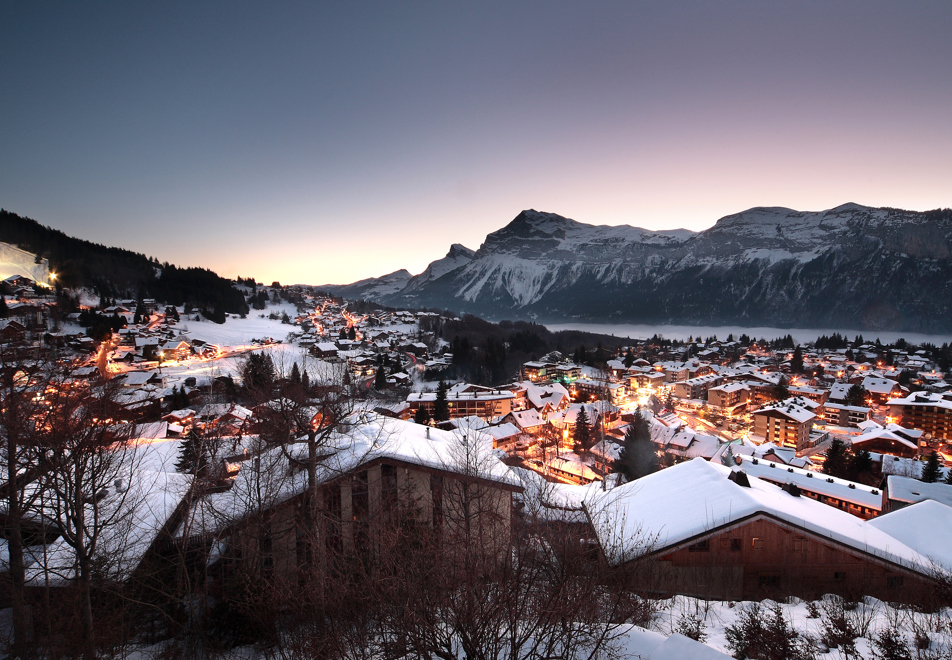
115,272
491,353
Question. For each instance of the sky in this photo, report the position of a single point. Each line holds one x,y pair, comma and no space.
325,142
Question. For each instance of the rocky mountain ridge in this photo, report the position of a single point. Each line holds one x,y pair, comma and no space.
850,267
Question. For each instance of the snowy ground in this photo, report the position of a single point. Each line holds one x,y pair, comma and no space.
870,615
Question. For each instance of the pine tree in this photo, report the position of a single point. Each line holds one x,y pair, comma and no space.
441,407
421,416
583,432
855,396
931,471
380,379
4,310
835,464
305,380
637,457
796,364
295,374
780,390
192,457
948,477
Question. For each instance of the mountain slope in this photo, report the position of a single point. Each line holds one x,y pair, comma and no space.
851,267
115,272
372,288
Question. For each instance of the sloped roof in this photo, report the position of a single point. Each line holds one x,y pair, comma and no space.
690,499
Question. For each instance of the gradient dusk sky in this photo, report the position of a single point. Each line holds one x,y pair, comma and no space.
330,141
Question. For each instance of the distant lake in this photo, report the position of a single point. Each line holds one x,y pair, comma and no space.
800,335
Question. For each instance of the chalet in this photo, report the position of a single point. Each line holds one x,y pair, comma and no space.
325,350
18,281
148,347
175,350
568,469
567,372
539,371
729,396
465,400
880,390
527,421
839,414
857,499
906,491
811,393
785,423
890,440
706,530
381,474
11,330
929,412
838,392
696,388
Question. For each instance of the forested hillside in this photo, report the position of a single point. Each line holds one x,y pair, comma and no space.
115,272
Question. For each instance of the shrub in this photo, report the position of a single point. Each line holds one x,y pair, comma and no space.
760,635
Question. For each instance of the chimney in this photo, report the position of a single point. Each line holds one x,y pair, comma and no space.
739,477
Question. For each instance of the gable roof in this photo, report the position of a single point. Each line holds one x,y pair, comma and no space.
672,506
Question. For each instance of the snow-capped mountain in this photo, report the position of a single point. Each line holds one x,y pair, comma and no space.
849,267
372,288
459,255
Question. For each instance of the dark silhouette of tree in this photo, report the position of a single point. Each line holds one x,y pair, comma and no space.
931,470
193,457
796,364
258,373
421,416
295,377
441,407
380,378
780,391
638,457
836,464
583,432
855,396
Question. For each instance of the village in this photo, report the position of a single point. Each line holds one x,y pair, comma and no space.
712,459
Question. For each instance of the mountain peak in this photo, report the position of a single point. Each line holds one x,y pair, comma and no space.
459,250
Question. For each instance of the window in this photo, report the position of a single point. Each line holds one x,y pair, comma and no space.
839,575
799,545
758,543
731,544
894,582
700,546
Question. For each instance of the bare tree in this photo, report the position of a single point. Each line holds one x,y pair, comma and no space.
20,411
86,469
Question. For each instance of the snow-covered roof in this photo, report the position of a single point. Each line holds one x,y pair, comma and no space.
879,385
925,527
841,489
688,500
141,512
909,490
796,409
369,437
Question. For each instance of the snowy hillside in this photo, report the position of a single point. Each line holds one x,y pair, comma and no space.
851,266
14,261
